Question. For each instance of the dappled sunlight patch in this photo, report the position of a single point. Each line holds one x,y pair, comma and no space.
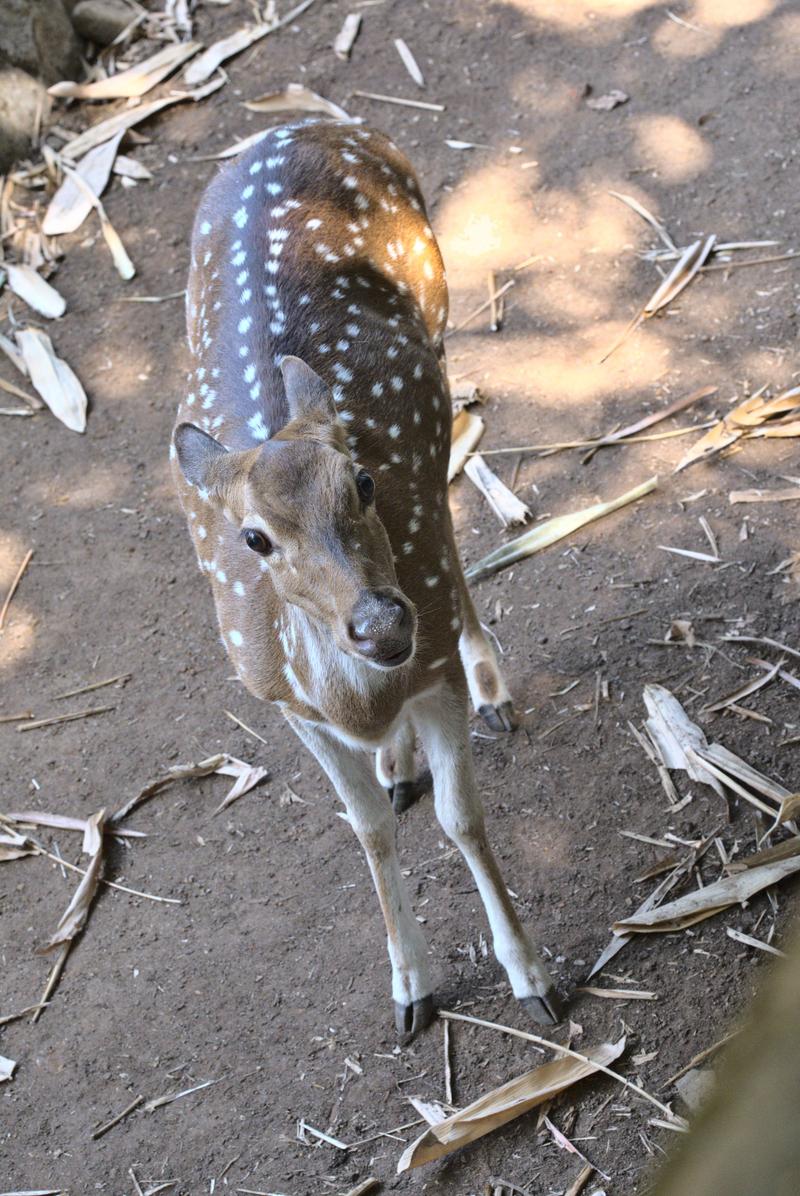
779,56
485,225
673,40
729,14
670,144
574,14
18,637
95,486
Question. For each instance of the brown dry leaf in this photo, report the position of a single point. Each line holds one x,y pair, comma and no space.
505,1103
295,97
409,61
53,379
178,772
563,1143
247,777
70,205
64,822
750,418
681,631
129,168
13,846
73,919
136,81
203,67
467,431
647,215
507,507
605,103
695,907
104,130
6,1068
347,35
744,691
32,289
124,265
768,855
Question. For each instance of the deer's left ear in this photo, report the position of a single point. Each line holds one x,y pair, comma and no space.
200,456
306,393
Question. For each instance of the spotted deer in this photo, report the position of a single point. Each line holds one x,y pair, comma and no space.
310,456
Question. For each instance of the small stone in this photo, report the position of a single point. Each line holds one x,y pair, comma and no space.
20,98
100,21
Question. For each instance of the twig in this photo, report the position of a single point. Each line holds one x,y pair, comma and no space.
304,1126
52,979
136,1184
103,1129
372,95
16,718
700,1058
366,1185
112,884
158,1101
13,1017
754,261
245,727
85,689
564,1050
65,718
560,445
448,1073
13,588
479,310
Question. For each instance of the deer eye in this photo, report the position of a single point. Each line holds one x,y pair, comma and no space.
365,486
257,541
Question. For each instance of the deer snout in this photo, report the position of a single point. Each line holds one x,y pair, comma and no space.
381,627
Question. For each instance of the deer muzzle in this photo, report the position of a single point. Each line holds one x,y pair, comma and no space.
381,628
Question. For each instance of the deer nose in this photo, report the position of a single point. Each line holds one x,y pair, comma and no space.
382,627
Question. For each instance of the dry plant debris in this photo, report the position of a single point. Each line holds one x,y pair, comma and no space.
345,38
136,81
6,1068
203,67
503,1104
70,205
507,507
755,417
297,98
12,589
550,531
73,919
467,431
409,61
53,379
32,289
606,103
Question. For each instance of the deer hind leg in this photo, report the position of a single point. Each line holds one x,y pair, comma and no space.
394,766
487,689
371,817
441,720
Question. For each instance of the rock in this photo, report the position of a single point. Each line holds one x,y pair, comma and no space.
695,1087
100,21
20,99
39,38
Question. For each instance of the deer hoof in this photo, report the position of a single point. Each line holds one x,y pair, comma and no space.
546,1010
411,1019
498,718
404,794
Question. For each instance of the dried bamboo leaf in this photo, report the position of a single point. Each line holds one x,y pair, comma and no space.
247,777
64,822
158,1101
704,903
781,851
53,379
70,205
124,265
297,98
503,1104
6,1068
737,496
347,35
507,507
617,994
747,940
691,554
409,61
129,168
749,418
32,289
14,846
73,919
178,772
744,691
551,531
642,211
467,431
104,130
136,81
203,67
648,420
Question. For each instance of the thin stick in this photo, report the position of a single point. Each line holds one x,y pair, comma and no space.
366,1185
372,95
32,402
712,1050
448,1074
52,979
13,1017
755,261
109,1125
13,588
494,317
479,310
560,445
245,727
112,884
16,718
85,689
136,1183
65,718
555,1046
395,1129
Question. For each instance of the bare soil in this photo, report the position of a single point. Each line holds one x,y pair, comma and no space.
272,972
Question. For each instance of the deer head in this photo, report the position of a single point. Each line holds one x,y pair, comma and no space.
301,503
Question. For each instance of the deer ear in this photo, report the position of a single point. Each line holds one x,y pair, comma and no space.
305,390
199,455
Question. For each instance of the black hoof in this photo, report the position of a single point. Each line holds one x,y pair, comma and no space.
410,1019
547,1010
498,718
405,794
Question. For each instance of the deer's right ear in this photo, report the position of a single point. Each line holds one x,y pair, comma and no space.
306,393
199,455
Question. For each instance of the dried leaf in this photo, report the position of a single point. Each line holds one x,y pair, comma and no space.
158,1101
503,1104
297,98
73,919
744,691
605,103
792,495
647,421
70,205
552,530
464,393
64,822
681,631
178,772
347,35
618,994
6,1068
14,846
704,903
642,211
124,265
104,130
136,81
203,67
691,554
409,61
129,168
747,940
32,289
247,777
467,431
507,507
53,379
750,418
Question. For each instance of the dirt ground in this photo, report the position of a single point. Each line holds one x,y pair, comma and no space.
272,970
